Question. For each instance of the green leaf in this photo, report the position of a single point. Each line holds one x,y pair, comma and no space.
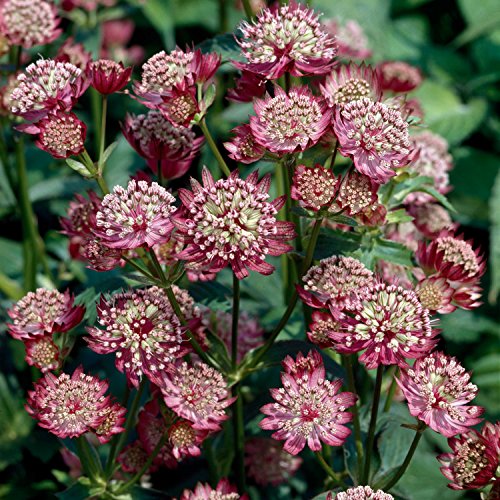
391,251
466,326
335,242
343,219
56,188
225,45
79,167
108,152
77,491
160,14
397,216
11,252
438,196
495,241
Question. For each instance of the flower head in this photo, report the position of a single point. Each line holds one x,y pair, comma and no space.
196,393
267,462
389,325
438,389
100,257
47,86
350,37
243,146
160,142
185,439
399,76
374,136
141,329
69,406
474,459
230,222
286,39
223,491
336,282
42,353
313,187
308,409
349,83
361,493
112,423
248,86
136,216
74,53
287,123
107,76
134,457
322,324
431,219
29,22
356,193
44,312
436,294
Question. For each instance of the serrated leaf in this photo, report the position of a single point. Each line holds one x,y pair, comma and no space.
344,219
335,242
439,197
391,251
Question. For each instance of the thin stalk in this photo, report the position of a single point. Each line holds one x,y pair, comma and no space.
160,173
215,150
248,9
373,424
285,263
223,24
390,394
90,467
239,439
139,268
402,469
331,159
95,101
288,81
351,384
235,318
336,478
102,140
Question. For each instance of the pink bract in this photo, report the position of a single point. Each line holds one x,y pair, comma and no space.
107,76
223,491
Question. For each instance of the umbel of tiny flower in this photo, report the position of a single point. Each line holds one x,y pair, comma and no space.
107,76
141,328
313,187
136,216
42,353
70,406
133,457
360,493
350,37
223,491
308,409
286,39
438,389
229,222
243,147
389,325
474,459
399,76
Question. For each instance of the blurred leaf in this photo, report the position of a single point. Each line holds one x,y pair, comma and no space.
482,18
160,15
57,187
466,326
397,216
11,252
495,241
335,242
225,45
77,491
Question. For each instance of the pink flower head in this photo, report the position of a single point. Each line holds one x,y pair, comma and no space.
141,329
44,312
6,90
223,491
438,389
350,37
161,143
267,462
431,219
399,76
107,76
336,282
250,333
29,22
204,66
81,213
350,82
302,364
390,325
436,294
322,324
474,459
286,39
452,257
313,187
374,136
60,134
180,105
88,5
243,146
136,216
74,53
185,439
230,222
308,409
361,493
248,86
112,423
287,123
356,193
42,353
100,257
467,295
134,457
116,34
47,86
69,406
196,393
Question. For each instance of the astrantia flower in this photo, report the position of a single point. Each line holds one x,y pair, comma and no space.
197,393
248,86
136,216
322,324
267,462
143,331
162,144
203,491
100,257
374,136
356,193
360,493
250,333
474,459
47,86
349,83
286,39
74,53
108,76
431,159
69,406
29,22
336,282
112,423
44,312
60,134
81,215
243,146
390,325
438,389
313,187
230,222
302,364
42,353
435,294
431,219
287,123
399,76
185,439
308,409
351,39
133,458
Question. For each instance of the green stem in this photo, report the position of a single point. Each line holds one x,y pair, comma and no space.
331,159
235,318
215,150
402,469
285,263
373,424
331,473
239,439
248,9
102,140
223,25
390,394
90,467
160,173
95,100
351,384
136,266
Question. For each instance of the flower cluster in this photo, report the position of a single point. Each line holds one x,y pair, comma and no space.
361,493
